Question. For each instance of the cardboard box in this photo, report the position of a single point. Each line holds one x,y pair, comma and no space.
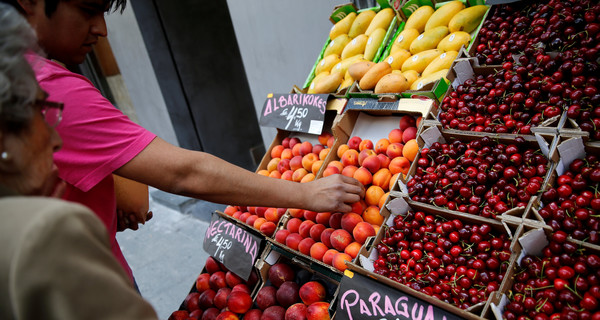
399,206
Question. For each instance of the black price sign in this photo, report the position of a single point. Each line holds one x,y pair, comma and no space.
235,247
361,298
295,112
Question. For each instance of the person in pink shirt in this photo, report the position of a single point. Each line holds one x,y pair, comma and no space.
98,140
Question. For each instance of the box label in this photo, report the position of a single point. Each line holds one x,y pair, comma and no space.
295,112
363,298
370,104
233,246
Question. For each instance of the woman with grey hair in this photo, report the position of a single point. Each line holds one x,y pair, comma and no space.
55,259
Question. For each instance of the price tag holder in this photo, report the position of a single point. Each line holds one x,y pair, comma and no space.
295,112
361,298
232,245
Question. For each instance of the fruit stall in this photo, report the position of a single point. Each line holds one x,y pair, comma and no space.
473,127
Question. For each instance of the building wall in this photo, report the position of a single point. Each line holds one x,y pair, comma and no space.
279,42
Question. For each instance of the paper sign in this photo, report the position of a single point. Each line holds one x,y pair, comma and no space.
295,112
233,246
362,298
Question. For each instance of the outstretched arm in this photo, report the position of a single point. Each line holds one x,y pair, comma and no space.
204,176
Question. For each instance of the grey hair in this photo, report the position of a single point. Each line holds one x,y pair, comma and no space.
18,86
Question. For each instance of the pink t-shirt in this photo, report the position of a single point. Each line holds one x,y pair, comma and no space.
97,139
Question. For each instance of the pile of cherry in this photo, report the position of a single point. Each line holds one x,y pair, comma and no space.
532,28
519,37
482,177
562,284
571,206
458,263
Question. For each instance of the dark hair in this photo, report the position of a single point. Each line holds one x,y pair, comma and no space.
51,5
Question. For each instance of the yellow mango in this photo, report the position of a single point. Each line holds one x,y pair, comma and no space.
376,72
443,14
419,61
428,39
336,46
443,61
391,83
382,19
342,26
397,58
411,76
343,65
404,39
467,19
355,46
418,19
454,41
327,63
348,80
423,81
328,83
361,23
311,87
358,69
374,42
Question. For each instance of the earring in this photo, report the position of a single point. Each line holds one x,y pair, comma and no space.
4,155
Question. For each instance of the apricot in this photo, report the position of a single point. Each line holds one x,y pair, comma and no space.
308,160
394,150
383,199
286,142
268,228
305,148
339,261
275,174
358,207
326,237
317,148
323,218
341,149
271,214
395,136
287,154
336,164
244,216
308,177
364,154
407,121
372,215
328,256
363,175
323,137
305,245
272,165
354,143
362,231
323,154
353,249
296,213
296,163
385,160
316,166
409,134
317,251
311,292
382,178
287,175
393,180
350,220
349,170
330,170
411,149
365,144
276,151
373,194
399,165
299,174
251,219
263,172
294,141
350,158
340,239
372,163
296,149
230,210
382,145
330,141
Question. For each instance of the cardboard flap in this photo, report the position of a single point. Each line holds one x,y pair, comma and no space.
532,242
569,150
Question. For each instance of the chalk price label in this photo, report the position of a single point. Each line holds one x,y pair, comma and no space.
233,246
295,112
362,298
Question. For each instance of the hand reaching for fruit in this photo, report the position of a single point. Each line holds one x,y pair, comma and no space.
334,193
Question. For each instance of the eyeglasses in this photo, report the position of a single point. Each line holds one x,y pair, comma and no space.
52,111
